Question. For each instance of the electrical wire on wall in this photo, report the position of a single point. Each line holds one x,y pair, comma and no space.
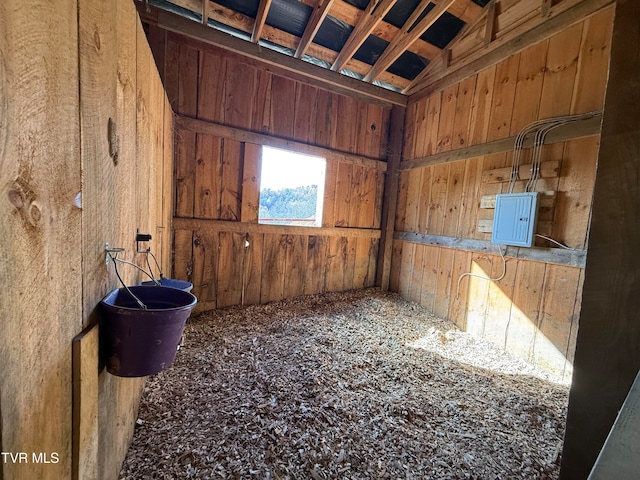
549,239
541,129
482,277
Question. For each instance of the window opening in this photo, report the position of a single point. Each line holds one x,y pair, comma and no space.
291,188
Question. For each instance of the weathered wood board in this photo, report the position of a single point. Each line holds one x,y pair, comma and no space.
84,161
38,220
85,404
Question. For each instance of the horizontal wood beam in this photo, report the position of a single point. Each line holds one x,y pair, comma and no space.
241,135
312,73
557,256
205,225
571,131
561,16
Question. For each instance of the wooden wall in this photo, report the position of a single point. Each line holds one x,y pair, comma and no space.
533,310
227,106
66,73
40,258
119,81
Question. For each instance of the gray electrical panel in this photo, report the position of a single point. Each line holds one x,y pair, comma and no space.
514,219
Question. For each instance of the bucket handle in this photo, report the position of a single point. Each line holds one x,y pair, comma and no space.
148,252
113,254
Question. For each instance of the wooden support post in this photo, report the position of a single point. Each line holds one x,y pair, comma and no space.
252,167
607,357
390,198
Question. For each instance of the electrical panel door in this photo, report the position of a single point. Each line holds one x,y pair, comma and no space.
514,219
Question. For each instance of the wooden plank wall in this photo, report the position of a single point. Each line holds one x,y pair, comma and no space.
66,74
533,310
218,244
124,193
40,258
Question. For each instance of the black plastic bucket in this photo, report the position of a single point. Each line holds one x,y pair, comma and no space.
170,282
140,342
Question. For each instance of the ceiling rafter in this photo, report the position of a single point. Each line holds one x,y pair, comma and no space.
406,36
205,11
414,17
373,15
261,18
358,26
440,62
242,22
320,11
312,74
465,10
339,9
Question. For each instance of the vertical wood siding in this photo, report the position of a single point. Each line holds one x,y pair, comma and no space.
81,66
217,178
532,310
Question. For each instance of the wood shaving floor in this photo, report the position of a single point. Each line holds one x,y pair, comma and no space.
355,385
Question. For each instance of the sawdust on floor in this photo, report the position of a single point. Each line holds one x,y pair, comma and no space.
354,385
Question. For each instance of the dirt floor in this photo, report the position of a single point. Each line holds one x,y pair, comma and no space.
356,385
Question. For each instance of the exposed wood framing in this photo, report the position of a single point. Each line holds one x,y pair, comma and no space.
578,129
245,23
241,135
313,74
372,16
556,256
390,199
465,10
261,18
561,16
320,11
204,225
205,12
491,24
405,37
